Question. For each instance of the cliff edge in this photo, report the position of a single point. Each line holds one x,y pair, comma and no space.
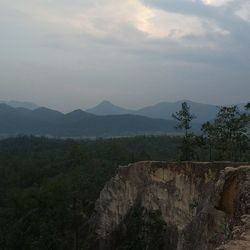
174,206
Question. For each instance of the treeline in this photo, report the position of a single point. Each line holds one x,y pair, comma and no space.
224,138
48,187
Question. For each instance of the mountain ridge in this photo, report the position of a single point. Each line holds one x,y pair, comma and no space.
44,121
161,110
20,104
108,108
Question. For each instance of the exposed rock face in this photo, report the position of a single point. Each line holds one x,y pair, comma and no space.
235,201
198,204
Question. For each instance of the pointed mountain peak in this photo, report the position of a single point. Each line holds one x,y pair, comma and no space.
106,103
108,108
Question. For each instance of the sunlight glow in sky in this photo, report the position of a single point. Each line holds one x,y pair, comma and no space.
74,53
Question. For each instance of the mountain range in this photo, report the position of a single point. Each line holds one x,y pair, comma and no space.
162,110
103,120
78,123
18,104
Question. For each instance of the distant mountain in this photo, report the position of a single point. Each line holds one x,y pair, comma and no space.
19,121
44,121
17,104
46,114
163,110
108,108
77,115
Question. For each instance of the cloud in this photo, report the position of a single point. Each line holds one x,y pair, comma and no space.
126,48
117,18
216,3
163,24
244,12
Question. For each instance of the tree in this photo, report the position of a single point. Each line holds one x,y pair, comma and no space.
247,106
209,134
230,127
184,118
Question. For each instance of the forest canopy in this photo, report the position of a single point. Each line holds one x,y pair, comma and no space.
49,187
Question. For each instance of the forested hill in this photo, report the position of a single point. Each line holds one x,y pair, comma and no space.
44,121
49,187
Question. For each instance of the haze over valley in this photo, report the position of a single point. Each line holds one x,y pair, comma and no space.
103,120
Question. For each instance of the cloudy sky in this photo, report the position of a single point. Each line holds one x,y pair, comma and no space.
67,54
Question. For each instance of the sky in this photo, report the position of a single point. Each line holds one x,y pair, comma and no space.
67,54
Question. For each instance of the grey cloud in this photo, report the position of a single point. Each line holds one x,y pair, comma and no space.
184,7
51,64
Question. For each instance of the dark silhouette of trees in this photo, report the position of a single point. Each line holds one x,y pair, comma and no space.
49,187
227,133
209,134
247,106
184,118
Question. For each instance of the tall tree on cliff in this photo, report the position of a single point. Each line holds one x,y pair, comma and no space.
230,126
247,108
184,118
209,135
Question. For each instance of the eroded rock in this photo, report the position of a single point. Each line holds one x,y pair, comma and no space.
199,204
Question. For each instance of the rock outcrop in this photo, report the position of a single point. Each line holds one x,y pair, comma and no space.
195,206
235,201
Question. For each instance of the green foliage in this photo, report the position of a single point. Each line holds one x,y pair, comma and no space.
147,230
49,187
227,134
221,233
184,118
209,135
247,106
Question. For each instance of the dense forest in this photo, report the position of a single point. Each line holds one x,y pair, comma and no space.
49,187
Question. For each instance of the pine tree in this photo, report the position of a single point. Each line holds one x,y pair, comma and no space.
184,118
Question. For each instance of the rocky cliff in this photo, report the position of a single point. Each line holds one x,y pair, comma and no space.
173,206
